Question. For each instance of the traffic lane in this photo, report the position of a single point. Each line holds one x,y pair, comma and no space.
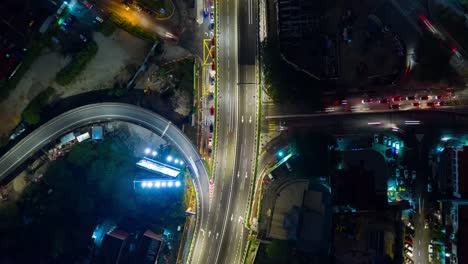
247,32
238,233
348,121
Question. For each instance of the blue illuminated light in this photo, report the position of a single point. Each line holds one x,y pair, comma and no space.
157,184
169,158
170,184
150,184
177,184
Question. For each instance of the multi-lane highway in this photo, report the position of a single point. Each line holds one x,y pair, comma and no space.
224,238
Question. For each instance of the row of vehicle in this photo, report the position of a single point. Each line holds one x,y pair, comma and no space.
400,98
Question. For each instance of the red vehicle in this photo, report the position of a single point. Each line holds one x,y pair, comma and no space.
416,104
395,106
396,99
367,101
384,101
411,98
431,104
212,110
425,97
441,103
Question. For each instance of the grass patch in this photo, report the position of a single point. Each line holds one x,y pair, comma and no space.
77,64
135,30
31,114
108,28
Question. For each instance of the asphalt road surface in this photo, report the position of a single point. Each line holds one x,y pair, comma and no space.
223,238
94,113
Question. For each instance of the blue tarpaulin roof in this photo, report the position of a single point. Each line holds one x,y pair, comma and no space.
97,132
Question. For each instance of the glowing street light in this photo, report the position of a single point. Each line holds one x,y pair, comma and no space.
280,153
150,184
181,162
154,153
177,184
170,184
143,184
169,158
164,184
157,184
176,161
147,151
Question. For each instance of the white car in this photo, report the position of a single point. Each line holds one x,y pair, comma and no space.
413,175
409,254
430,249
409,247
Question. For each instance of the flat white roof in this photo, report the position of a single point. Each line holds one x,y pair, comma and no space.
158,167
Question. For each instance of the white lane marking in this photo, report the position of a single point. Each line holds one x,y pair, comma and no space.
238,174
217,235
209,233
419,253
419,242
232,217
246,175
250,119
242,119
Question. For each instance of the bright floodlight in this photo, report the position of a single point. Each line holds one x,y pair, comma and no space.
150,184
157,184
181,162
147,150
177,183
143,184
170,184
176,161
280,153
169,158
163,184
154,153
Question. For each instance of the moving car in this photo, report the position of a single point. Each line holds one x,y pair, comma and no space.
417,104
431,104
210,142
395,106
396,99
411,98
425,97
441,103
211,128
384,101
212,109
367,101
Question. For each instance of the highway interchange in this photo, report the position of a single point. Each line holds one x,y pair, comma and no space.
220,235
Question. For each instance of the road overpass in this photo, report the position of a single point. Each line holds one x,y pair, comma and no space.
103,112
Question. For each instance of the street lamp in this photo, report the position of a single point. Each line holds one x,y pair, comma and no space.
147,151
280,153
169,158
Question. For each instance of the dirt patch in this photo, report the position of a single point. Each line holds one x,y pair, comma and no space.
116,57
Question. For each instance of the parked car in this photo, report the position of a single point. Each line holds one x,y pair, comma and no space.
396,99
406,173
424,97
211,128
430,104
367,101
384,101
395,106
411,98
417,104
